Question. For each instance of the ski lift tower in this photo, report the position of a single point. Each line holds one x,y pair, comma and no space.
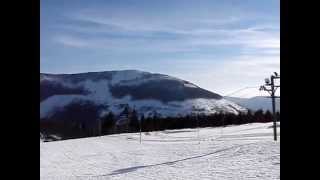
272,90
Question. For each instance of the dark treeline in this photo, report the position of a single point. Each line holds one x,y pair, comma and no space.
108,124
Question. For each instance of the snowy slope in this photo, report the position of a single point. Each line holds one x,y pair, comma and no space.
255,103
234,152
109,91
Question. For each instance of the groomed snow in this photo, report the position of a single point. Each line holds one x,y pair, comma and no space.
234,152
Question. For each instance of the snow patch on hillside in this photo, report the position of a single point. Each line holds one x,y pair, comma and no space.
56,103
190,85
126,76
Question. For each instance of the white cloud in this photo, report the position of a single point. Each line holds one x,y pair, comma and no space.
71,41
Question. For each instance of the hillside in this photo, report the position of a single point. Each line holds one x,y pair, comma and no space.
96,93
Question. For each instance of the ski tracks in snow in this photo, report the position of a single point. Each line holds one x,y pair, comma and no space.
240,152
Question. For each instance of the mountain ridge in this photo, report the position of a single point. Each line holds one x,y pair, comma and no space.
255,103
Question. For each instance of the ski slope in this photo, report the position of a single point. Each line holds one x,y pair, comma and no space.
233,152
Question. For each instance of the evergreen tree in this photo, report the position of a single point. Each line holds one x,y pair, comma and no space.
134,121
259,116
249,117
108,123
268,116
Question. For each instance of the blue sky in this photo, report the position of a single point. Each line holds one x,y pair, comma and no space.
219,45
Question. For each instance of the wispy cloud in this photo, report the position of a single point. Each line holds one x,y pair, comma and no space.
71,41
136,33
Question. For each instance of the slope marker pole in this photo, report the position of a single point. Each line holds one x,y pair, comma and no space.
198,130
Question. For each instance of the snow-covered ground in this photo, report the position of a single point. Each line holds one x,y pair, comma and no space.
234,152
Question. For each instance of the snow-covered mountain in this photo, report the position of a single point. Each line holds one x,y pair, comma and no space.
93,94
255,103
